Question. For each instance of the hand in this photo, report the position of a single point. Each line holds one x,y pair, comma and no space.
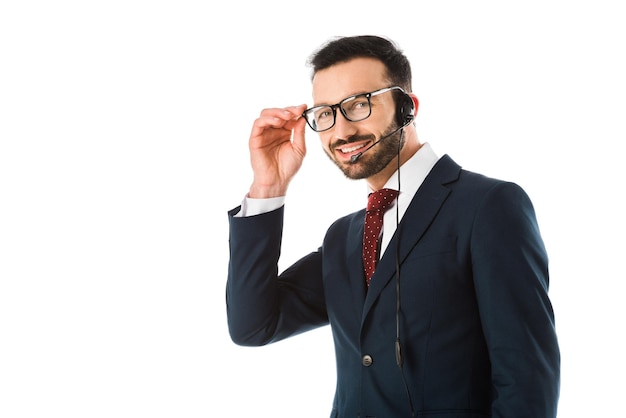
277,149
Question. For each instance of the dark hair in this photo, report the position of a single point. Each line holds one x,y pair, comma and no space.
344,49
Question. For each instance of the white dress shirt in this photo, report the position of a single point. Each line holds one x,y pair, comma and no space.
412,174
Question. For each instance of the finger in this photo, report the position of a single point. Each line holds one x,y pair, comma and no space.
296,110
299,142
297,114
264,123
285,113
277,118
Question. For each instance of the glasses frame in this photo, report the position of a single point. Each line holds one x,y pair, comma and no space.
339,106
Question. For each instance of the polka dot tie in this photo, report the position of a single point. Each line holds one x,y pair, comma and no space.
377,203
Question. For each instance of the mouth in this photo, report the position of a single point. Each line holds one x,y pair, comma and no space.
348,150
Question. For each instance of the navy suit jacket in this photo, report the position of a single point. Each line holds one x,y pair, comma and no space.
476,324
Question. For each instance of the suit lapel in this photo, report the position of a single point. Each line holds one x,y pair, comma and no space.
355,258
419,215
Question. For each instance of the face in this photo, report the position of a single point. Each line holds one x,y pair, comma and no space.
346,139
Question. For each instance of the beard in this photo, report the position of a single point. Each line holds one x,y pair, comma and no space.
373,160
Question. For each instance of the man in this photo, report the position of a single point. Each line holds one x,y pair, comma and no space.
455,320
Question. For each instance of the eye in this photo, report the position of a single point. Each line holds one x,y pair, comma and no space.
323,113
357,108
357,103
360,103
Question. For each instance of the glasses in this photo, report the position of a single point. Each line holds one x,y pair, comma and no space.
354,108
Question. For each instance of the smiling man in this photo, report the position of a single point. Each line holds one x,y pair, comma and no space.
375,110
436,292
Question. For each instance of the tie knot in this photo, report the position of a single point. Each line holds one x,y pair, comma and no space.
381,199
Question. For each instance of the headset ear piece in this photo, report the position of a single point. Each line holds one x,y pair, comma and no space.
405,112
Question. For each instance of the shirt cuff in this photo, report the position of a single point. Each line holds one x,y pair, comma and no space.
251,206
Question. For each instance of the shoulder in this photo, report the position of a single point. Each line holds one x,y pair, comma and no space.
473,193
474,183
345,226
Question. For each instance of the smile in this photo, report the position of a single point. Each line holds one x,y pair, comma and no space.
348,150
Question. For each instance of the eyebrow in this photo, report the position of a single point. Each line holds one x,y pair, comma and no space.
347,97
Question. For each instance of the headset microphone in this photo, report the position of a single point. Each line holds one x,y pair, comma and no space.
407,121
405,114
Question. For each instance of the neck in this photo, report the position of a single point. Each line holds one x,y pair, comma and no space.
378,180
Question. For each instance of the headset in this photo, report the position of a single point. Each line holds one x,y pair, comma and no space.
404,115
405,108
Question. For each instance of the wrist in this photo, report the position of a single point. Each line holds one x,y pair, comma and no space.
266,191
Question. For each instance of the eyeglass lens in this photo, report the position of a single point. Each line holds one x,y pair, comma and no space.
354,109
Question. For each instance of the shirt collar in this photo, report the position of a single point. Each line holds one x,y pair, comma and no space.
412,172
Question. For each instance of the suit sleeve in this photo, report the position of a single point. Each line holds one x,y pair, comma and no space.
263,306
511,280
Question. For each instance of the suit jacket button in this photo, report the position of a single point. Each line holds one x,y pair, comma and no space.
367,360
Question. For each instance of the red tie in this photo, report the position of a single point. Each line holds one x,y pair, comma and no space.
377,203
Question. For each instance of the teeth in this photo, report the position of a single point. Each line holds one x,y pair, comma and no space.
351,149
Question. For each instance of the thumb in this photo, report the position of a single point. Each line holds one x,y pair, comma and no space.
299,142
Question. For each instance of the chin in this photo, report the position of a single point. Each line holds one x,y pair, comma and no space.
354,171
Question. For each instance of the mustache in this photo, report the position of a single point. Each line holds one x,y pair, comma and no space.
354,138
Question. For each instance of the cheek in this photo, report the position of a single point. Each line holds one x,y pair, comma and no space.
386,120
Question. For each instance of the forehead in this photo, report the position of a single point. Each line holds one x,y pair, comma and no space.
359,75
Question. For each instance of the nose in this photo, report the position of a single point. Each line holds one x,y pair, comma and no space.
343,127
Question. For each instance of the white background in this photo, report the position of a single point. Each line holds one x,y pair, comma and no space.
124,127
